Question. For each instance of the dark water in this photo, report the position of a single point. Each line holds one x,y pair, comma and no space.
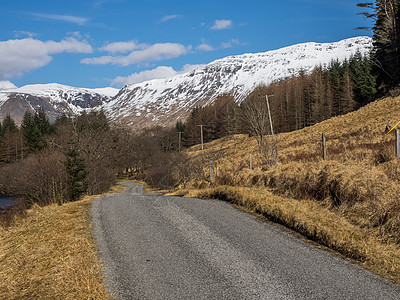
6,202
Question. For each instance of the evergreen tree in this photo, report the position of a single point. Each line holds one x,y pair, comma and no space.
42,122
364,81
76,173
10,146
180,126
33,136
386,39
9,124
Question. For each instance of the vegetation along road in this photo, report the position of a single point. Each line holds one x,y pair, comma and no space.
161,247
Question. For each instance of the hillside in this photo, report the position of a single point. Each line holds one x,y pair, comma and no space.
348,202
164,101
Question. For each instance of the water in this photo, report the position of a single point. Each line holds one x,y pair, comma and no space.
6,202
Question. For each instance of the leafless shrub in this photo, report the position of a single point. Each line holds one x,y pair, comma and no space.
40,178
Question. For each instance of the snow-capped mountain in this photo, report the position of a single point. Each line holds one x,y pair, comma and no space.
163,101
55,98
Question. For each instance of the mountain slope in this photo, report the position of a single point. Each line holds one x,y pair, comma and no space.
163,101
56,99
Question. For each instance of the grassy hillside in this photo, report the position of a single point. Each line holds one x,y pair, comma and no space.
349,202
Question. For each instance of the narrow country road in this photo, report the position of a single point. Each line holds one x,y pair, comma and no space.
158,247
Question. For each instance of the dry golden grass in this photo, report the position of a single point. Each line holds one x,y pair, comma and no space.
51,254
349,203
316,223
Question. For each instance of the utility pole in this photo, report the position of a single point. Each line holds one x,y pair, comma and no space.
180,137
201,135
269,115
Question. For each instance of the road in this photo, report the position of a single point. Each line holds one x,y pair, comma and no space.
158,247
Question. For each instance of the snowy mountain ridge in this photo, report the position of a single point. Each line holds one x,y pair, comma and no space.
55,98
163,101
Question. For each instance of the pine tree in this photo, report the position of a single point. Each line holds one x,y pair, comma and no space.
386,39
10,147
76,173
33,136
363,79
42,122
9,124
180,126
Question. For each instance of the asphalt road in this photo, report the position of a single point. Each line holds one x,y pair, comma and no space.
158,247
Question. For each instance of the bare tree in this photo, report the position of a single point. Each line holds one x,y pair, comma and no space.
255,120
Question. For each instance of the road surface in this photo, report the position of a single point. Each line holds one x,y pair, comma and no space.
158,247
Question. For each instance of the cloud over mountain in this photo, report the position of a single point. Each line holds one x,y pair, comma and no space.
156,52
23,55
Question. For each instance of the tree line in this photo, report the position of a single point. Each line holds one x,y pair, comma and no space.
299,101
45,162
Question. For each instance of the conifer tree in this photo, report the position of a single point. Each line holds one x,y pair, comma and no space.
42,122
76,173
386,39
10,147
363,79
9,124
33,136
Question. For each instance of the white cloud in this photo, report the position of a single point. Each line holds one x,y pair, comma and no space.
205,47
221,24
230,43
19,33
122,47
170,17
154,52
157,73
188,67
6,85
65,18
20,56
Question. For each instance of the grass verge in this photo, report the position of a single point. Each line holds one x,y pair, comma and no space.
51,254
316,223
348,202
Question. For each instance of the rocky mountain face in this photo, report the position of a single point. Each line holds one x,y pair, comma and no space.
56,99
164,101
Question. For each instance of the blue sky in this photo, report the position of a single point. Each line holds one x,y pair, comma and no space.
99,43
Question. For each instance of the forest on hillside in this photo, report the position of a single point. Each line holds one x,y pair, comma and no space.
294,102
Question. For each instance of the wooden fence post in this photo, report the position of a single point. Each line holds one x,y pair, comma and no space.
323,146
250,163
397,143
211,171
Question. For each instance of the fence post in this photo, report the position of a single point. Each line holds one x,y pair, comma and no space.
211,171
250,163
323,146
397,143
